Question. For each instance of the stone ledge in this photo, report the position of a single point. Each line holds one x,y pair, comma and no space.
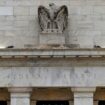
46,53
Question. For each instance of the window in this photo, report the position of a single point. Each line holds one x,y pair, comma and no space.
3,102
52,103
101,103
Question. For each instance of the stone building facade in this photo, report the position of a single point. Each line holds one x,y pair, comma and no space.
36,68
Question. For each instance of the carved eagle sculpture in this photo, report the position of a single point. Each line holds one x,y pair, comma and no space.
53,18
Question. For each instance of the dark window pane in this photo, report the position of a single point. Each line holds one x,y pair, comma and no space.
52,103
3,103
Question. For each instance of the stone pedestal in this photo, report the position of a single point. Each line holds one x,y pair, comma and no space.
20,96
83,96
51,38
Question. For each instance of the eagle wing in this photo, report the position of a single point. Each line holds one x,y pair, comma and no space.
61,18
44,17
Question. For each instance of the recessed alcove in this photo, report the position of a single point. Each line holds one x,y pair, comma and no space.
53,95
100,94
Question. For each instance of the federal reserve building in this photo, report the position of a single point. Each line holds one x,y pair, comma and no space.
52,52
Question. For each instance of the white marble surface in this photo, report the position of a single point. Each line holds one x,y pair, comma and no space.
20,28
82,100
52,76
6,11
20,96
20,99
83,96
52,38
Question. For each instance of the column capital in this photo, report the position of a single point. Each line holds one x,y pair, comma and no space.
83,89
20,90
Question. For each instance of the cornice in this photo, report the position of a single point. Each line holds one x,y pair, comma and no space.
51,53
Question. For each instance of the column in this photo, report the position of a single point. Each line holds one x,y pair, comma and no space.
71,103
20,96
83,96
33,102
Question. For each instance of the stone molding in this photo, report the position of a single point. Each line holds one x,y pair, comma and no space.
20,90
20,95
83,95
83,92
83,89
47,53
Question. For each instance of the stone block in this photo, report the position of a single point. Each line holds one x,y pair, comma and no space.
52,39
99,10
21,23
21,10
6,11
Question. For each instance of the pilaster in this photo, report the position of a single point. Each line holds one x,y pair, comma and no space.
83,96
20,96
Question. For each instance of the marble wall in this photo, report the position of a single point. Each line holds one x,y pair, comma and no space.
19,22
